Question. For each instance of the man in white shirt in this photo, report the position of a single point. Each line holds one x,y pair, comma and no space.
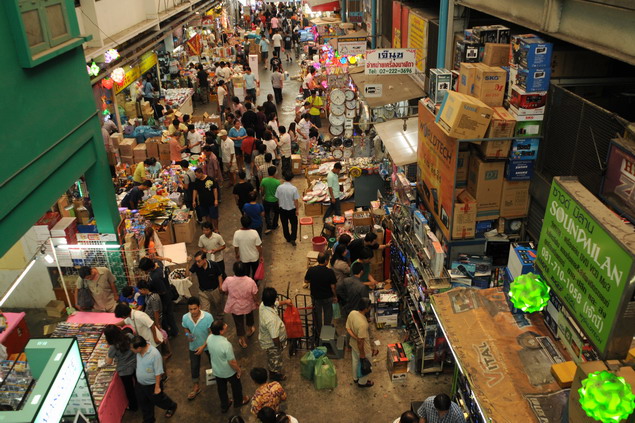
247,245
304,126
142,324
228,154
288,196
213,244
194,140
308,83
277,43
285,150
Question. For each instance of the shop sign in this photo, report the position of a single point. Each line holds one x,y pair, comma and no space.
583,259
351,46
436,162
373,90
396,24
148,60
356,17
418,38
618,188
396,61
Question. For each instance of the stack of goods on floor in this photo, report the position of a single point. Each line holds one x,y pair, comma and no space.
93,349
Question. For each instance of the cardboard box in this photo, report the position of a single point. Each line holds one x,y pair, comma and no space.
396,359
126,147
484,182
485,34
514,199
185,232
116,139
524,149
55,308
494,149
398,377
296,164
152,147
525,100
313,209
139,153
127,160
464,216
466,51
489,84
462,166
362,218
64,206
165,234
467,75
532,80
164,148
440,83
495,54
519,113
462,116
528,128
519,170
533,53
347,205
502,124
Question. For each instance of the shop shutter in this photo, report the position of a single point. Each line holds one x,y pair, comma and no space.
576,132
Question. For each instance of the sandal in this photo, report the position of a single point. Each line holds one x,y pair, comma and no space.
242,343
367,384
245,402
193,394
253,330
170,412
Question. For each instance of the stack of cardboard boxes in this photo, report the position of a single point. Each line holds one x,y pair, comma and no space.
397,362
126,151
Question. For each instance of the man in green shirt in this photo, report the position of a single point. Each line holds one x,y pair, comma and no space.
364,259
268,188
333,182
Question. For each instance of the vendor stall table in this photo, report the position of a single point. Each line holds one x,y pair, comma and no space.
114,403
16,335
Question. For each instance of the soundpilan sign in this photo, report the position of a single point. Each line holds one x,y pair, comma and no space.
586,255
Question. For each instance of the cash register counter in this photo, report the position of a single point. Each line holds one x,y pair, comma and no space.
504,359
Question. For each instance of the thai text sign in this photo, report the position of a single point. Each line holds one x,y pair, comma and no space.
585,264
390,61
351,46
147,61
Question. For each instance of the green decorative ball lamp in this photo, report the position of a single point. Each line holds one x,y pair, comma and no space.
606,397
529,293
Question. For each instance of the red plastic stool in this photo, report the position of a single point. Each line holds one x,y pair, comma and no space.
306,221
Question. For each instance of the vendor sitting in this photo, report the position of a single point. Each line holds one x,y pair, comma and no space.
135,195
146,169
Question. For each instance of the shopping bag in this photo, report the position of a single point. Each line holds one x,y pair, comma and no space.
260,272
292,322
336,311
324,375
365,368
85,298
307,362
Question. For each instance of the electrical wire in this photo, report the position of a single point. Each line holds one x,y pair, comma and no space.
100,30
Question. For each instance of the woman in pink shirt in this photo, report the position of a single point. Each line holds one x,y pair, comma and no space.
175,147
241,292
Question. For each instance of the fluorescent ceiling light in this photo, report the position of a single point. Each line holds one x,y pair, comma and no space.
82,246
17,282
49,259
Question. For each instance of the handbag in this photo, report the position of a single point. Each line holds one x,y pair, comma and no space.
292,322
336,311
259,274
365,367
84,298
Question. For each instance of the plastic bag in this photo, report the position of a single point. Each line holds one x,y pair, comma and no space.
85,298
308,360
260,272
337,314
324,375
365,368
292,322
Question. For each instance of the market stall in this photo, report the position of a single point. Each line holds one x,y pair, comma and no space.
387,96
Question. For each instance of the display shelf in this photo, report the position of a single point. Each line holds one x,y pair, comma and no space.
15,383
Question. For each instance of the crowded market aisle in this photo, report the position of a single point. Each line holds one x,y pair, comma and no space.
285,266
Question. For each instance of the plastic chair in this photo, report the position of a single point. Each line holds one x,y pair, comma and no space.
306,221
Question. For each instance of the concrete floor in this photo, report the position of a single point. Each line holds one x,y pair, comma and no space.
285,267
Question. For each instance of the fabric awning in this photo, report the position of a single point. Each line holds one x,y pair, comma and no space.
323,5
394,88
401,145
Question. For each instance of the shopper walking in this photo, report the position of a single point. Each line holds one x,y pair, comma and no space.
264,51
228,155
288,196
197,325
333,182
308,83
223,95
158,279
272,334
248,150
210,279
255,211
269,107
126,361
237,133
154,309
205,197
242,190
284,145
440,408
203,83
268,187
139,322
213,244
248,245
358,328
267,394
276,39
226,368
149,387
277,82
242,300
251,83
322,282
288,45
100,283
249,119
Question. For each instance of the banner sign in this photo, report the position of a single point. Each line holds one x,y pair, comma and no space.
356,17
436,162
351,46
148,60
418,39
395,61
582,258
